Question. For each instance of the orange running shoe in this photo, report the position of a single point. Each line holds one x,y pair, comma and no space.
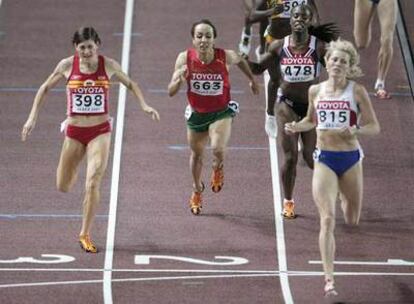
195,203
382,94
86,244
217,179
289,209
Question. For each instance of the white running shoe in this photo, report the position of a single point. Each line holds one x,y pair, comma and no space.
329,289
245,44
271,126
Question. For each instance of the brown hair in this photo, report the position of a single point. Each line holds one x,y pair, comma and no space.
203,21
85,33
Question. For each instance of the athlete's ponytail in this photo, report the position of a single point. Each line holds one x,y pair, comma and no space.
326,32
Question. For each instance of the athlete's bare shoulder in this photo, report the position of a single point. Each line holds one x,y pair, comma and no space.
276,45
65,65
181,59
314,89
111,66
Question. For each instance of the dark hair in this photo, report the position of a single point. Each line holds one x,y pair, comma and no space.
326,32
305,6
204,21
85,33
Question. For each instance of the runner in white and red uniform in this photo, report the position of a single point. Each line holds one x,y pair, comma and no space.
294,64
209,114
87,127
335,107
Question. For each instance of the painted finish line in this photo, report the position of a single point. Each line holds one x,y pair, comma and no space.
186,147
389,262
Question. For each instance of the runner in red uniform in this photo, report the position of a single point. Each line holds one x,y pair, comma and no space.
209,114
87,127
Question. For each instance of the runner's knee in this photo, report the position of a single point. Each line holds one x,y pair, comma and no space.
352,218
93,183
361,44
62,186
386,44
327,222
290,159
197,155
308,157
218,152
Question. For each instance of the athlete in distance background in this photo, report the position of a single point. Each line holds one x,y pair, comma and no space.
256,12
88,125
364,12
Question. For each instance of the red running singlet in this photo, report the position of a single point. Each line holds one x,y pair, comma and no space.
208,84
87,94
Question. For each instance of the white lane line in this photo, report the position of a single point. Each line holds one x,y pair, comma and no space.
280,233
186,147
113,203
389,262
17,215
192,277
137,270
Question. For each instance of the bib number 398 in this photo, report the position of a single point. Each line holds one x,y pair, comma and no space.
88,103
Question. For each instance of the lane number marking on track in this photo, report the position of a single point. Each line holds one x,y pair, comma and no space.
231,261
48,259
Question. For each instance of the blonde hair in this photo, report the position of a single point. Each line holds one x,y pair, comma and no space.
346,47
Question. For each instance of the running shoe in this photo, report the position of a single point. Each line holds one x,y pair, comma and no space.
195,203
380,91
245,45
217,179
289,209
271,126
382,94
86,244
329,289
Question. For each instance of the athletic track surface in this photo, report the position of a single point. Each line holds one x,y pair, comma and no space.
152,250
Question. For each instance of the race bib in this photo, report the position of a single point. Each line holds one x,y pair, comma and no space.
88,100
207,87
288,5
298,73
333,115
